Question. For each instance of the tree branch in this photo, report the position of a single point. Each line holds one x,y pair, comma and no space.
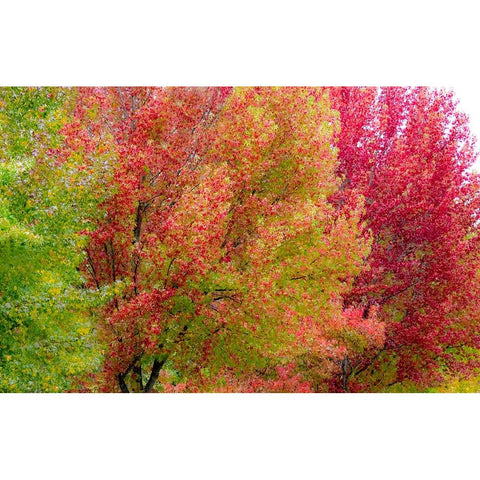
156,368
122,384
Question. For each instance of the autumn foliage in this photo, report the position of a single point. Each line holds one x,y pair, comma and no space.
408,151
266,239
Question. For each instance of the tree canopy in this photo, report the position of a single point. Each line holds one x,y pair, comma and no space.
251,239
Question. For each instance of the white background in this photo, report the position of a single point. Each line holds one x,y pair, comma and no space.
469,97
241,43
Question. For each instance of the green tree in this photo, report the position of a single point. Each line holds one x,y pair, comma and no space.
46,340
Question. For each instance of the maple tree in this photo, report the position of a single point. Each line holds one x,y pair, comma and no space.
218,233
408,151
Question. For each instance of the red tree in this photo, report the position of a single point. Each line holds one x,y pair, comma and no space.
408,151
142,147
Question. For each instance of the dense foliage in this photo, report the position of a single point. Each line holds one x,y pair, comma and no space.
237,240
47,342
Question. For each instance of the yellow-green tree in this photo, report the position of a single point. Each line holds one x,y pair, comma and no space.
46,341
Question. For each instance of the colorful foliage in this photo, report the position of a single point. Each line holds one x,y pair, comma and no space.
408,151
237,239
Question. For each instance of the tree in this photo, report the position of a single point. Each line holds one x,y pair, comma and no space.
217,232
46,338
408,151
